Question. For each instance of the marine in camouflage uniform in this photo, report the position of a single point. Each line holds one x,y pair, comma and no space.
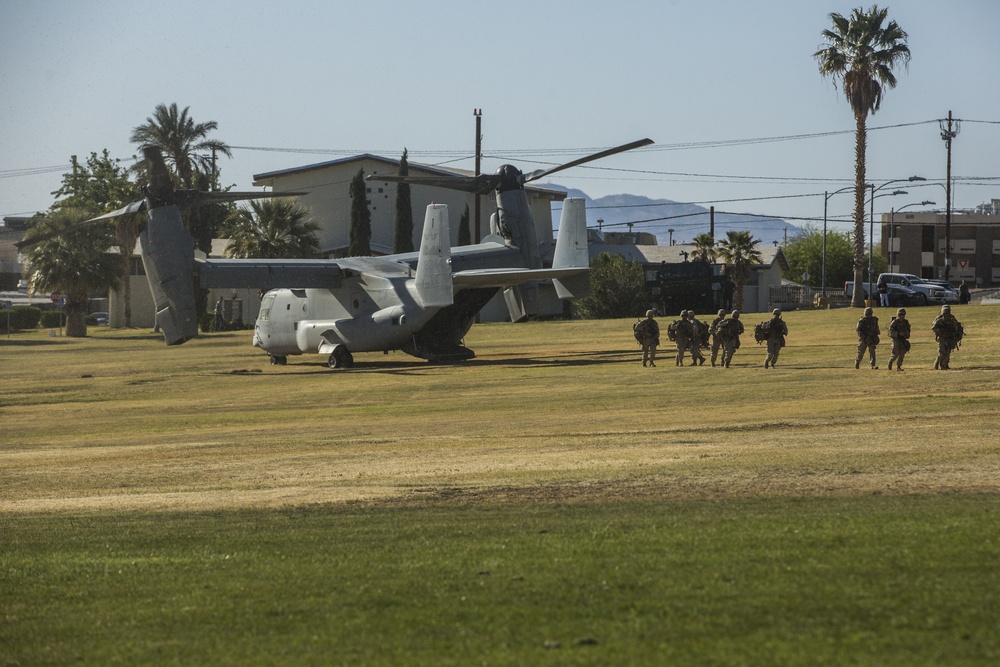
698,338
682,334
647,332
948,332
776,332
730,333
899,331
868,337
716,338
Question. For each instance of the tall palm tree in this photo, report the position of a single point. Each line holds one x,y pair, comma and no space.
73,262
739,251
272,229
862,51
184,143
704,248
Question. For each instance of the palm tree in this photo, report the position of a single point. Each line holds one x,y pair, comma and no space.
184,143
862,51
739,251
73,262
704,248
272,229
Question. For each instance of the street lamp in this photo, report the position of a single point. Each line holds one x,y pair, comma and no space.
892,224
871,233
826,198
871,227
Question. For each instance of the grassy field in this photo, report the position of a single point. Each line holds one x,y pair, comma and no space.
549,502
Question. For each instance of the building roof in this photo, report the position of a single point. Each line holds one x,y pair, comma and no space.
267,178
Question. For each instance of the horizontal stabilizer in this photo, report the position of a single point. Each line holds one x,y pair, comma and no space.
268,274
510,277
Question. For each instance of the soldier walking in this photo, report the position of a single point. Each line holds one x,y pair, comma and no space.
948,332
775,336
679,332
868,337
647,333
730,331
899,331
699,338
716,338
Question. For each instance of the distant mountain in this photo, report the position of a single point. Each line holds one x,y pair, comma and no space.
658,216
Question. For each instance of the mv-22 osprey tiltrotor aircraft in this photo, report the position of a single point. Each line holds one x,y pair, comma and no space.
422,303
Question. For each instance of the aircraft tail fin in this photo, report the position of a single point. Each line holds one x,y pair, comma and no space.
571,250
433,278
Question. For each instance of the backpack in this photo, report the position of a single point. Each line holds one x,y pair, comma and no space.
701,335
760,331
672,330
640,330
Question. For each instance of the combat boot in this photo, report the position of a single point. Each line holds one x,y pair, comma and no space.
890,364
857,364
937,363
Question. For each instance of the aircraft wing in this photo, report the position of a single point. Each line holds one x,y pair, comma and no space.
509,277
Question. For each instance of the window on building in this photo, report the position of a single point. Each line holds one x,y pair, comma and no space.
927,238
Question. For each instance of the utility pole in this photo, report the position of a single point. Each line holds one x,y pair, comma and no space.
947,133
478,113
711,222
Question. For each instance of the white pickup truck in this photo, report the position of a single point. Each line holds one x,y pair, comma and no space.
906,289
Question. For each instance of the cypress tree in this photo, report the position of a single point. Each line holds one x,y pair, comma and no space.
403,241
464,235
361,218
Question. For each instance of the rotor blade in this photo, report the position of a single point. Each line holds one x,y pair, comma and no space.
195,198
482,184
130,209
538,173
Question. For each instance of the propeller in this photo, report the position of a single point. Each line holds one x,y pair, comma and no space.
507,177
159,192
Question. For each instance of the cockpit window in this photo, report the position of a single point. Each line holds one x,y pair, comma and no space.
265,307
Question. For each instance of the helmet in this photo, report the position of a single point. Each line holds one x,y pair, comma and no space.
650,313
690,313
722,312
736,314
869,311
901,311
945,309
776,311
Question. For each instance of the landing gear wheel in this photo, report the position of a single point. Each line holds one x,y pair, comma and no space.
278,360
340,358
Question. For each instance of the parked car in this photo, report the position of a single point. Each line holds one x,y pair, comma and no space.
898,295
931,292
943,283
102,318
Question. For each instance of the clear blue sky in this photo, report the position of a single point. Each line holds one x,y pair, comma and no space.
550,76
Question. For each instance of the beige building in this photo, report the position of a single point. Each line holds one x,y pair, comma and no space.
915,243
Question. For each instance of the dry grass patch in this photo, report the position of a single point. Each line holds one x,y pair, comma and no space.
546,410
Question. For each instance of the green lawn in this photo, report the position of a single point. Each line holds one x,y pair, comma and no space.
549,502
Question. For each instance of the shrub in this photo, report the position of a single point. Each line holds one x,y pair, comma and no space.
52,319
21,317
